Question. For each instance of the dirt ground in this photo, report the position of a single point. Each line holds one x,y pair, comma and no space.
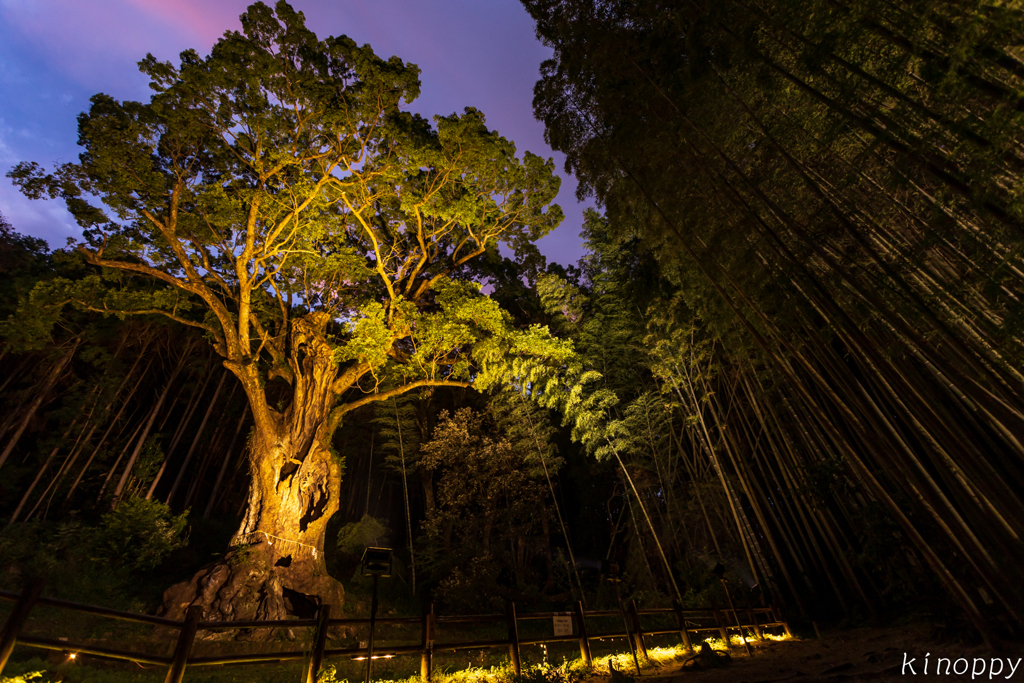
848,656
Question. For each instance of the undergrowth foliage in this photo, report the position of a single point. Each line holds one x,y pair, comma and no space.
134,538
140,533
568,672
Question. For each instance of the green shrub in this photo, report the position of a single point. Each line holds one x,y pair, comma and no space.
23,678
355,536
140,533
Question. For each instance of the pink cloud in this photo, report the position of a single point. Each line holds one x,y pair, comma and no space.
96,44
204,22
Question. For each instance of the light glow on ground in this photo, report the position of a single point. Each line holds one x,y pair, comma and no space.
572,671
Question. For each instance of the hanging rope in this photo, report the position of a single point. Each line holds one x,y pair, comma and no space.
271,538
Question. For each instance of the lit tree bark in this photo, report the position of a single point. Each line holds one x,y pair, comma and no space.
405,496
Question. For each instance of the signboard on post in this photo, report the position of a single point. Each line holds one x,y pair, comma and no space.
563,626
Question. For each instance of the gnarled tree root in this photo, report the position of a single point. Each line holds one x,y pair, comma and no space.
256,582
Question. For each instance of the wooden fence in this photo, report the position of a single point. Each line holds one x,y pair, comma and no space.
688,621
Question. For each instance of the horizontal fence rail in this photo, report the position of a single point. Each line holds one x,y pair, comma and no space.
688,621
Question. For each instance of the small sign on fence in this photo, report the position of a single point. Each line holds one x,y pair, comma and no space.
563,626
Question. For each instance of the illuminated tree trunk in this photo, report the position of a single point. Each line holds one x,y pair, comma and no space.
405,492
275,566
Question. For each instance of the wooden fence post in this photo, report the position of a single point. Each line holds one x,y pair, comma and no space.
427,643
638,632
721,625
323,613
513,637
581,626
777,615
752,616
17,618
754,626
188,634
677,609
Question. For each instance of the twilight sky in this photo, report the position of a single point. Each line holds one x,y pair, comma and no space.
55,54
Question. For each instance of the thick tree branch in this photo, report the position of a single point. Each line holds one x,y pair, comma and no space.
397,391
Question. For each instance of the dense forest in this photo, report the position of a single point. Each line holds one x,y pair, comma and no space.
795,346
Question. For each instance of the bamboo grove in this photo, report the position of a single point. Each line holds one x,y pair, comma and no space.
831,196
794,345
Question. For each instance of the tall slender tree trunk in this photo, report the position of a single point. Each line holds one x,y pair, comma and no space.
224,464
195,441
212,450
427,482
405,496
41,394
39,474
145,432
739,516
15,373
110,427
178,433
69,463
554,498
117,461
695,484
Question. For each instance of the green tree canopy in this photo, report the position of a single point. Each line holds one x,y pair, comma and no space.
277,186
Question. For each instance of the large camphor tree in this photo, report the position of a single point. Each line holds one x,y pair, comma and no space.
319,235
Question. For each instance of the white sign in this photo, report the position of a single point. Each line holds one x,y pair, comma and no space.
563,626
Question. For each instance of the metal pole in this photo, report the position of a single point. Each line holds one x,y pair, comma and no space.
373,621
625,622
